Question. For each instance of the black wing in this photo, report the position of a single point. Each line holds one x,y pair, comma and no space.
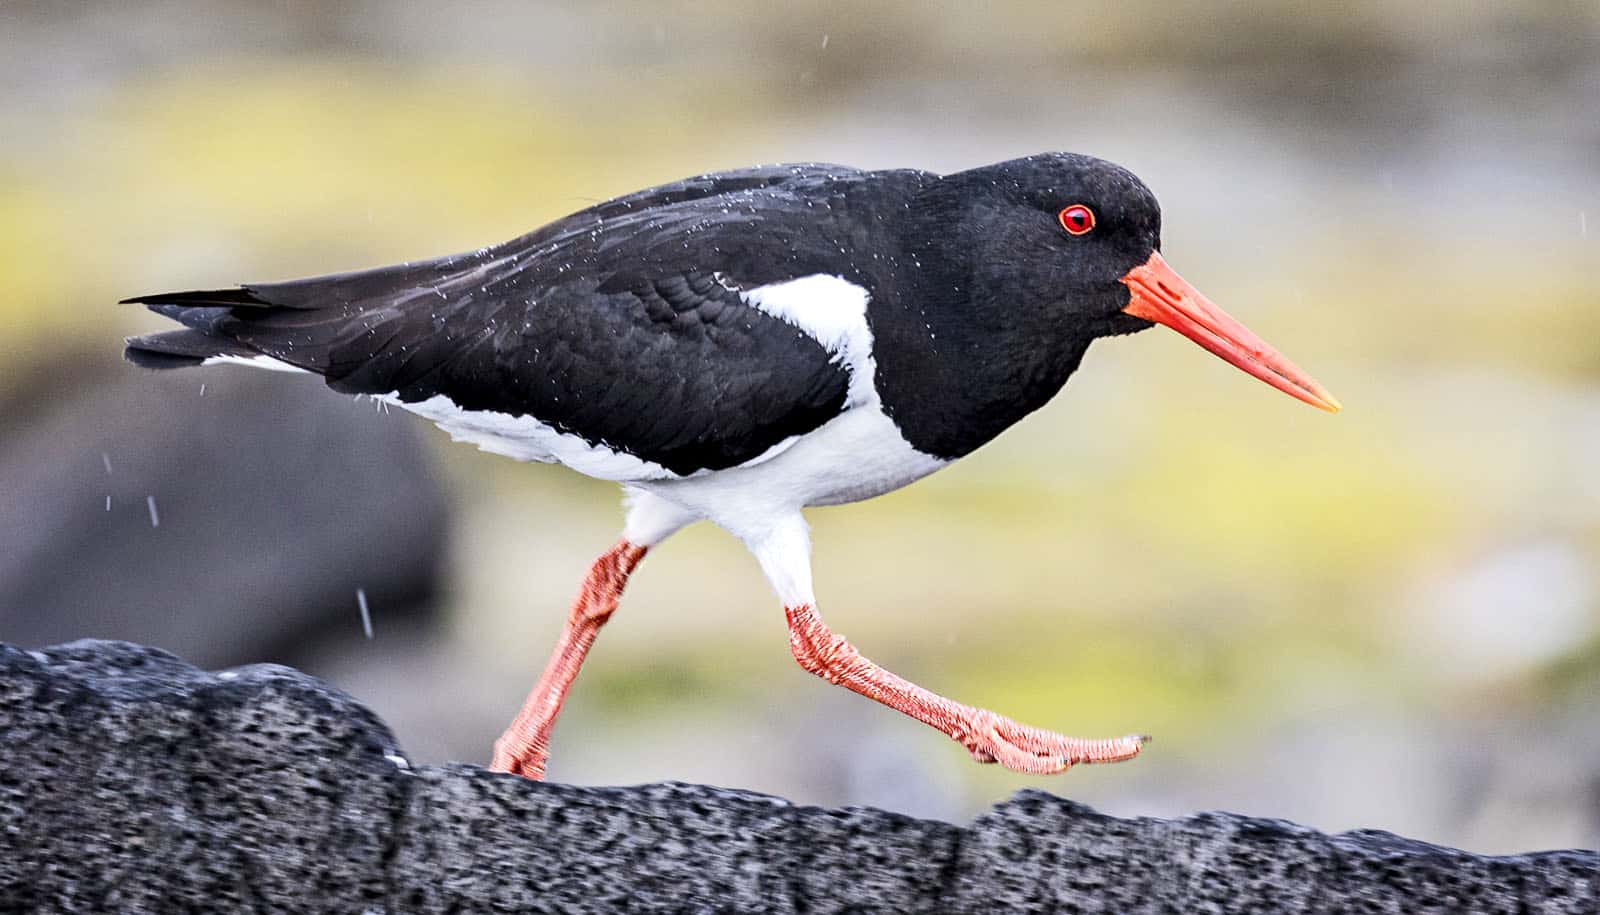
622,324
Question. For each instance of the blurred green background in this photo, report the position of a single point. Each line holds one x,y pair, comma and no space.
1389,618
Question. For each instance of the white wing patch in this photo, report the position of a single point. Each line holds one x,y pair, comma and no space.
833,311
524,438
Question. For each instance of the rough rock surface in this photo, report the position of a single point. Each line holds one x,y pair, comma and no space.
132,782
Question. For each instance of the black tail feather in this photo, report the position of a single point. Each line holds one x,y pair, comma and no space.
180,349
204,318
299,322
238,297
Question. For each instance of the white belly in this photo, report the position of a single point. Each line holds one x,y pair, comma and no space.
524,438
855,456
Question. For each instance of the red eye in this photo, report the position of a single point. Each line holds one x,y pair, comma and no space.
1076,219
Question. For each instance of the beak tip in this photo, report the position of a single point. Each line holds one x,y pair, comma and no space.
1157,293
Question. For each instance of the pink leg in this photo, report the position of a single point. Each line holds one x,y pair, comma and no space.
525,746
988,736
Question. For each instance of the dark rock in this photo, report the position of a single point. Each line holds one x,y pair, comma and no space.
277,499
131,782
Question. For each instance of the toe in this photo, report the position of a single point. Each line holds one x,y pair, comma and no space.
1035,751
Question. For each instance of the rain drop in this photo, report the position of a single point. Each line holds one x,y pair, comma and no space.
366,614
155,516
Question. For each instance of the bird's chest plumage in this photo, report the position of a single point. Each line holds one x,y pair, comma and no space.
952,375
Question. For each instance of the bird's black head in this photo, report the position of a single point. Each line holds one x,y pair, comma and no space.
1066,247
1052,235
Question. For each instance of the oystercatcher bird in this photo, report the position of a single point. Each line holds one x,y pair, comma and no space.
739,346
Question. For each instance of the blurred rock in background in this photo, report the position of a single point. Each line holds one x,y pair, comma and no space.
1389,618
228,525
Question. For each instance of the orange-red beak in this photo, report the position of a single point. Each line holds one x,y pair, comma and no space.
1162,296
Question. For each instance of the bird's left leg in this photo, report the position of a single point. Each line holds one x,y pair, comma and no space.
524,748
785,555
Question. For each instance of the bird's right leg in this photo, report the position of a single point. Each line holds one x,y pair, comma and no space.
785,555
524,748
